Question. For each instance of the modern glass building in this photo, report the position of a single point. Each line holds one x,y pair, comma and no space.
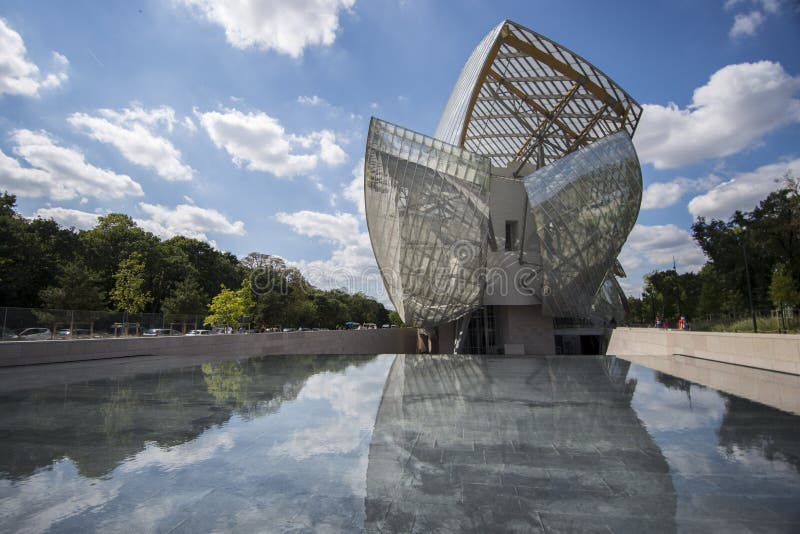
511,217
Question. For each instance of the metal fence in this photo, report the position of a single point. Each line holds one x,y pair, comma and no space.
41,323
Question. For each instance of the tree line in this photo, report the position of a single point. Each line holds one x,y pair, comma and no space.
753,254
116,265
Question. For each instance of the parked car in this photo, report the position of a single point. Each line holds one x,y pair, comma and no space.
369,326
31,334
199,333
385,326
221,330
73,333
153,332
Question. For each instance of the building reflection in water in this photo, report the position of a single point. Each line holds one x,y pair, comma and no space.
463,443
734,462
406,443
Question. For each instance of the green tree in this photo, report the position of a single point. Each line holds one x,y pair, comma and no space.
782,289
331,311
302,312
228,306
31,254
77,288
129,294
181,257
636,312
114,239
768,236
186,298
394,318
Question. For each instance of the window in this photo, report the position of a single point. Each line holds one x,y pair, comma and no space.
511,235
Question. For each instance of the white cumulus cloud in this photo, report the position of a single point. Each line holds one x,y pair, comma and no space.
351,264
740,104
312,100
742,192
259,142
657,245
746,23
58,172
131,131
68,217
329,151
189,124
354,191
664,194
186,220
286,26
339,227
163,115
19,75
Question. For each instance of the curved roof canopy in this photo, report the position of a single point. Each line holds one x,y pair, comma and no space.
523,98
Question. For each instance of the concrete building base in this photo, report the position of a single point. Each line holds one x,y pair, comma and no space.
384,340
524,330
773,352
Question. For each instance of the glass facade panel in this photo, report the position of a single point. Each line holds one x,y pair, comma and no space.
428,214
584,205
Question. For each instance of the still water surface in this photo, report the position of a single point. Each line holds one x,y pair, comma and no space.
391,443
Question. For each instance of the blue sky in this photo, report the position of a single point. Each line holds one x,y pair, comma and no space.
243,123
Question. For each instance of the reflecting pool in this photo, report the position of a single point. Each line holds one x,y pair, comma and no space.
397,443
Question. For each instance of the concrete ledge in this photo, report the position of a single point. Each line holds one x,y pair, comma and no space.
772,352
384,340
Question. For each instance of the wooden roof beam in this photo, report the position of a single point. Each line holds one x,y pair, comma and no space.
563,68
527,149
532,103
586,129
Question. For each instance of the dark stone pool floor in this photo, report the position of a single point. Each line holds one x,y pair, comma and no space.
389,443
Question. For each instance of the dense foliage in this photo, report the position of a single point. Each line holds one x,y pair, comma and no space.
764,243
119,266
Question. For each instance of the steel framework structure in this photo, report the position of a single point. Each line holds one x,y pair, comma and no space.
527,108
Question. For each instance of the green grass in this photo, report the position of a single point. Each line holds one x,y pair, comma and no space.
766,325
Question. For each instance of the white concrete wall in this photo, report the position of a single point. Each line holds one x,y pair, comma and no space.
773,352
380,341
508,203
524,330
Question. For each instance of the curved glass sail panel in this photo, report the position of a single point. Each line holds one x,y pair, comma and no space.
455,112
610,302
584,205
427,208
